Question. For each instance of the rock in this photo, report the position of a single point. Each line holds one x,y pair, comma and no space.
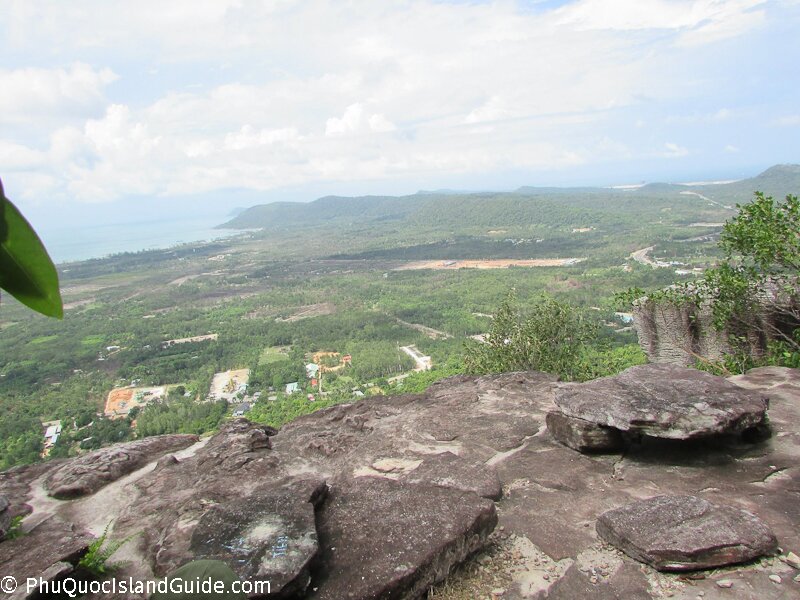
165,462
582,435
438,450
5,516
791,559
268,536
380,538
46,552
448,470
775,578
725,583
684,533
166,504
88,473
664,401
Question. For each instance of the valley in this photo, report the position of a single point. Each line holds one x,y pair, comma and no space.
405,287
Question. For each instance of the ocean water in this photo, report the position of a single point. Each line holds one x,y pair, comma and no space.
98,241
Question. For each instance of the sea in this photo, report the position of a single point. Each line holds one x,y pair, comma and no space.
76,243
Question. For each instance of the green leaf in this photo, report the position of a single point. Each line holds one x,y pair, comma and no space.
26,271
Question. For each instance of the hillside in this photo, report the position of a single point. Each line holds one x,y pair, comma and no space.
545,206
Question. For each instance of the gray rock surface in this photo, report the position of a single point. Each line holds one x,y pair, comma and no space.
5,516
446,445
90,472
685,533
44,552
666,401
269,536
582,435
419,533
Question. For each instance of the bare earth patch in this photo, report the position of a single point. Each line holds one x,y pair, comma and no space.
497,263
310,310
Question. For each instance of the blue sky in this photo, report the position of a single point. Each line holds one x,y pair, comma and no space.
114,107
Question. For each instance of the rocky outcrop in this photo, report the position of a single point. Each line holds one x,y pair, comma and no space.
685,533
90,472
385,497
683,333
664,401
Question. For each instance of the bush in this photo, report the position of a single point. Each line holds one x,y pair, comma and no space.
554,337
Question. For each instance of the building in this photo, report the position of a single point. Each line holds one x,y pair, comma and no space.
243,408
312,370
51,433
292,388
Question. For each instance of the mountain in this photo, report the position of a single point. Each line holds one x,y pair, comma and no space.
542,205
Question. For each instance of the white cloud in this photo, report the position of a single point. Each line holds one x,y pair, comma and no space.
355,120
672,150
228,93
731,149
701,16
787,121
30,94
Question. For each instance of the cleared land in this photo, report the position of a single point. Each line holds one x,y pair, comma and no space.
497,263
310,310
120,401
225,385
189,340
273,354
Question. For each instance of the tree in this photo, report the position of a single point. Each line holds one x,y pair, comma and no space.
762,256
26,270
552,337
761,259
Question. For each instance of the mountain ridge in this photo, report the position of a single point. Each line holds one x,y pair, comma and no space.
424,206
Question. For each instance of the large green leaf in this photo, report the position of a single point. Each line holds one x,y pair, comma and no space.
26,271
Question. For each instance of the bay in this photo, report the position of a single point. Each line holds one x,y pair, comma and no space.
83,242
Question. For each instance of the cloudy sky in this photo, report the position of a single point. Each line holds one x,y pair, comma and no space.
217,103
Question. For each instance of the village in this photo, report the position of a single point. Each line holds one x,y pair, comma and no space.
235,388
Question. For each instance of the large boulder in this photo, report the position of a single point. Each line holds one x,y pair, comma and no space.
684,533
665,401
88,473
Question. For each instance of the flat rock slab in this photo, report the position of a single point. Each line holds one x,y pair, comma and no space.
685,533
664,401
383,539
88,473
268,536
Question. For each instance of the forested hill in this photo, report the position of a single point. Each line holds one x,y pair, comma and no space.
560,206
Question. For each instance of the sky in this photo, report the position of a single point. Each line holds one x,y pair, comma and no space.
111,109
